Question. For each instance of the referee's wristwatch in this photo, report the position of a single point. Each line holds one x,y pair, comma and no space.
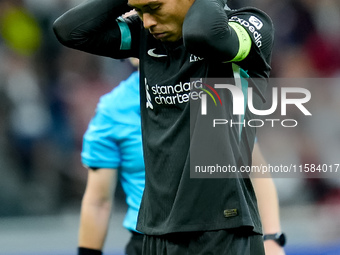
280,238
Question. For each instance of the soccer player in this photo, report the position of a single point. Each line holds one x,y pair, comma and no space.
177,40
110,150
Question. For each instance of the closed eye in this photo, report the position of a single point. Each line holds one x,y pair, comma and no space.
151,8
154,7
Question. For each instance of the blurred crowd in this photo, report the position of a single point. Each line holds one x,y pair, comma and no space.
48,94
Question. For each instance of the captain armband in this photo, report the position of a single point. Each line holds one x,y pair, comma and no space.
244,42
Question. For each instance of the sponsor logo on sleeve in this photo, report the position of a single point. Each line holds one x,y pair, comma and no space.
253,25
256,22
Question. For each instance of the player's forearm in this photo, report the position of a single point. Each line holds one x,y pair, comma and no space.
91,26
94,224
206,32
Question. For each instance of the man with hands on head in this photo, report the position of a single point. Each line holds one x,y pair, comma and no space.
112,147
177,40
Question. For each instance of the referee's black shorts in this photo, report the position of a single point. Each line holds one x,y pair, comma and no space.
219,242
135,244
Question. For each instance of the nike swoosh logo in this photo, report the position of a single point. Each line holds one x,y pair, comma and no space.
155,55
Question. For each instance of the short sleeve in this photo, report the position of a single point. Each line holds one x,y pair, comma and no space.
100,149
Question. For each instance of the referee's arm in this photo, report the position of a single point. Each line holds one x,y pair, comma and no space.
268,203
96,209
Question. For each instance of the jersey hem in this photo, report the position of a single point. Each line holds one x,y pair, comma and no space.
195,228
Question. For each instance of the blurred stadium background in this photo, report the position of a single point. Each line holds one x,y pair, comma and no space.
48,94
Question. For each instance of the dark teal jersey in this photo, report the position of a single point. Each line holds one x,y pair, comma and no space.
241,43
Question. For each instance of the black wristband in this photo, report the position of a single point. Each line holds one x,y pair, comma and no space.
86,251
280,238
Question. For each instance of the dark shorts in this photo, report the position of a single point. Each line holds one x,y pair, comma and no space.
220,242
135,244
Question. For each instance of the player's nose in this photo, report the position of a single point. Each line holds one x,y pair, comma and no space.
149,20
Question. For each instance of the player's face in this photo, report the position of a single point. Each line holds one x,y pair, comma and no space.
163,18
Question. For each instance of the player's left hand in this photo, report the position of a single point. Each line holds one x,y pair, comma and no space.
272,248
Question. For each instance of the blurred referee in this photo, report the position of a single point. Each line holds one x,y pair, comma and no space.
112,147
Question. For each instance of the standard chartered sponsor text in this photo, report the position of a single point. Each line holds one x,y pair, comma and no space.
177,94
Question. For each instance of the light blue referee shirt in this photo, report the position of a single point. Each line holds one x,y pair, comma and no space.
113,140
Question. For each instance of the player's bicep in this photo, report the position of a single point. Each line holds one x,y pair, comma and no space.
121,41
111,40
217,39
